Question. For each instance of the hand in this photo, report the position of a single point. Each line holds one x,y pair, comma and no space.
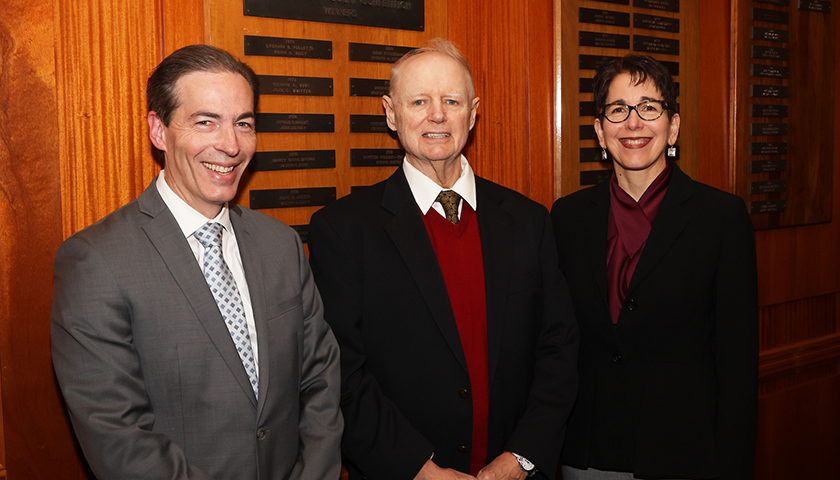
503,467
430,471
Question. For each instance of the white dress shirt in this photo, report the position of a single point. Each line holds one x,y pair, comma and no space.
425,190
190,220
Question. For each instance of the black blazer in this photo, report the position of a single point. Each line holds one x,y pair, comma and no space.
404,376
672,390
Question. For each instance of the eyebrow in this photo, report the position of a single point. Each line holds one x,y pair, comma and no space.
204,113
642,99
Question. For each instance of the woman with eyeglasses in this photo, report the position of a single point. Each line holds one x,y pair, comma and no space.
663,277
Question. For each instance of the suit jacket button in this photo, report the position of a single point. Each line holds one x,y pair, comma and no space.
463,393
617,359
463,449
262,433
631,305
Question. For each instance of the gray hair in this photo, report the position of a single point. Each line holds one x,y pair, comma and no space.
436,45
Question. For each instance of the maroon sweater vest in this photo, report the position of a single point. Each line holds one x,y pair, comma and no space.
458,251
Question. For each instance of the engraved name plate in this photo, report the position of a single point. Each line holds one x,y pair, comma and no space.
368,87
292,160
291,197
768,166
653,22
770,34
771,53
768,91
783,3
587,109
769,71
666,5
376,157
617,2
279,85
302,231
295,122
592,154
769,110
369,52
604,17
402,14
768,129
770,16
815,6
768,148
768,186
604,40
585,85
288,47
591,177
768,206
368,124
593,62
587,132
646,44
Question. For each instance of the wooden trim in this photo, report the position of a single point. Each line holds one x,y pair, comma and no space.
795,358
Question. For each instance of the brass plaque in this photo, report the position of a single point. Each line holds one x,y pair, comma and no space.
288,47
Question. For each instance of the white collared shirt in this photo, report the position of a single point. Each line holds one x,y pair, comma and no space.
425,190
189,220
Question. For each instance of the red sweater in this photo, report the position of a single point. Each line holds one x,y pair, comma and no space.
458,251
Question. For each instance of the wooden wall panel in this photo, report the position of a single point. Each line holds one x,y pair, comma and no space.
511,57
226,27
37,442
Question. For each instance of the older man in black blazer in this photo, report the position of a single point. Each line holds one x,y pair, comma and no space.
457,335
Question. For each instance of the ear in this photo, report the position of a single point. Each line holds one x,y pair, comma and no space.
157,131
600,132
390,115
473,111
674,129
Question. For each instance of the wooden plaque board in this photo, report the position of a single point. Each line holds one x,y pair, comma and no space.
226,27
784,67
589,30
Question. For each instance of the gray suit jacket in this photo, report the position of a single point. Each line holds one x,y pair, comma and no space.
151,378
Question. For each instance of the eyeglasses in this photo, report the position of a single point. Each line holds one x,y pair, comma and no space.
648,110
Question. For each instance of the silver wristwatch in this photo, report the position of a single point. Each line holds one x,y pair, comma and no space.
525,464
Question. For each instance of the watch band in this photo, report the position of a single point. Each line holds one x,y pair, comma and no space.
525,464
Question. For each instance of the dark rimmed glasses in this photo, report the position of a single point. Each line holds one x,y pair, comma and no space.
649,110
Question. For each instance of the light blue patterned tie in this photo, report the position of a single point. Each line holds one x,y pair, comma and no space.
223,285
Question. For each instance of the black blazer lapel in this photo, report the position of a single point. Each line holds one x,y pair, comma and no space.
497,237
669,223
408,232
165,234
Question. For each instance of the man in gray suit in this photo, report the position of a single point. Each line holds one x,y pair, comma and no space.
187,332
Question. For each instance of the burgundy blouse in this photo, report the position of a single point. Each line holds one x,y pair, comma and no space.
627,232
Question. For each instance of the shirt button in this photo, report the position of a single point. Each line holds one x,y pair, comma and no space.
262,433
631,305
463,449
463,393
617,359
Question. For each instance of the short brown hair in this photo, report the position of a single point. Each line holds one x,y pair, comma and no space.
160,87
641,69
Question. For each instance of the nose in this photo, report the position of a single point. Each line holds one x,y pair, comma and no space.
437,114
634,121
228,141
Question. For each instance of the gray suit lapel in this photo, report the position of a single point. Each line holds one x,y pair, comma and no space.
164,233
408,232
252,264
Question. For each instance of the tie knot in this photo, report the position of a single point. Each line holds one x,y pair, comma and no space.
209,234
449,200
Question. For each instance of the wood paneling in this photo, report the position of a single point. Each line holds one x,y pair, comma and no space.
227,27
511,57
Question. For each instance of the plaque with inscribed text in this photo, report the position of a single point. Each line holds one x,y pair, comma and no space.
768,166
665,5
401,14
288,47
768,186
292,160
768,206
603,40
369,52
295,122
646,44
653,22
281,85
291,197
604,17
